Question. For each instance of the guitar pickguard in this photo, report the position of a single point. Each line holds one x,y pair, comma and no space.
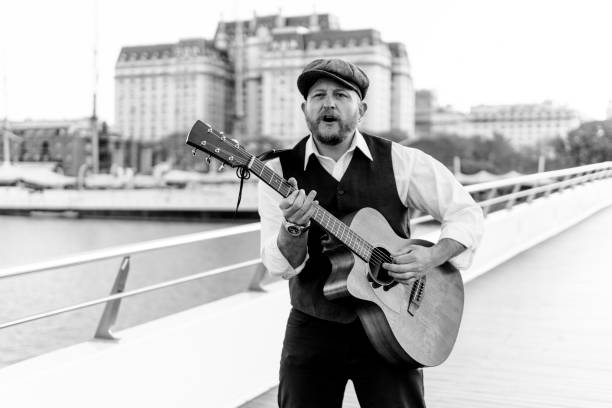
396,299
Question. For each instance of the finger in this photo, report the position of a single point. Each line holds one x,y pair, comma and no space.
287,202
405,277
303,220
400,268
293,182
404,259
307,209
404,251
299,201
294,212
310,197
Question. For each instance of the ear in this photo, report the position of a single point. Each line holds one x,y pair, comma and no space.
303,106
363,107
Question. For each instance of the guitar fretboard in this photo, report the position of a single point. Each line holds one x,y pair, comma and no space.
324,218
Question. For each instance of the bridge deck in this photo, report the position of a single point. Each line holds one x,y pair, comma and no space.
536,332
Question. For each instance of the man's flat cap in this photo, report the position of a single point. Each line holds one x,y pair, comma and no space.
339,70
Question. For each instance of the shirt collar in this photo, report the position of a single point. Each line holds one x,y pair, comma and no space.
357,142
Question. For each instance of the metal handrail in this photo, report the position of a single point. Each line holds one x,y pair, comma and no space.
583,173
535,190
145,289
570,177
536,177
129,249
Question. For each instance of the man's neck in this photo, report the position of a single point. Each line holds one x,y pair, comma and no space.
333,151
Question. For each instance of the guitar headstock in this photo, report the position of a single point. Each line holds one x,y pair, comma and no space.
207,139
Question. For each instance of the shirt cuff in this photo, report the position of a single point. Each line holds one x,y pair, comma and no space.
464,259
276,263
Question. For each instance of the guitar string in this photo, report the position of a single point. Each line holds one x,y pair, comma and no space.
363,248
373,254
369,249
351,234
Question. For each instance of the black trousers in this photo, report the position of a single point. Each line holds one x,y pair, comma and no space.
320,356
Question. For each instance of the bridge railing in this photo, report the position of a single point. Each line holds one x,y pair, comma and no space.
491,196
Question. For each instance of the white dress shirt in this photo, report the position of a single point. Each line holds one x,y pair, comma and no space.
422,183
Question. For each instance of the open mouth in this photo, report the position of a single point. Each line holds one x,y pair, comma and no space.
329,118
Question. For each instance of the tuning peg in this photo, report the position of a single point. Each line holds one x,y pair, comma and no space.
193,151
221,167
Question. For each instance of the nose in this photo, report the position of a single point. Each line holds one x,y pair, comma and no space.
329,102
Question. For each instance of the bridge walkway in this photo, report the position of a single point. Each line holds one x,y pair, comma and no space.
536,330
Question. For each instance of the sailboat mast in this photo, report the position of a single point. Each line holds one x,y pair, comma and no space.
94,117
5,133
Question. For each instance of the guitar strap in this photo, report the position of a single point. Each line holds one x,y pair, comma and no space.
243,173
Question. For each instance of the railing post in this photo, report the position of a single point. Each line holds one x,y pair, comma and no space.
490,195
109,317
531,196
258,277
549,190
564,185
512,200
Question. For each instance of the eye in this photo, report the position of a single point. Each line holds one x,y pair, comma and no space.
342,94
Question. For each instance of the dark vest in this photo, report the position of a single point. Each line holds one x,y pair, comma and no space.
366,183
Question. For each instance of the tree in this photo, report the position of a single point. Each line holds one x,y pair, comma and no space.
590,143
495,155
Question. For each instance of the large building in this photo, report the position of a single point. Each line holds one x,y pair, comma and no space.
244,80
161,89
525,124
432,119
521,124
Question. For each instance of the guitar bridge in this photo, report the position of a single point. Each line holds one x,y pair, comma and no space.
416,295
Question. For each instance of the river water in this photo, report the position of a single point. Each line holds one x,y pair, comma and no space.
30,239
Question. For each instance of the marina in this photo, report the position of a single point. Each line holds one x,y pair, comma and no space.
218,199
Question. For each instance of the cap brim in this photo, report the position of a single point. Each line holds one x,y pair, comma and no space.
307,79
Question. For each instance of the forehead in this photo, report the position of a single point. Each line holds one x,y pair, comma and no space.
329,84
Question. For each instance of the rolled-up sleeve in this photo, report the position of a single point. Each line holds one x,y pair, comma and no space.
271,221
426,184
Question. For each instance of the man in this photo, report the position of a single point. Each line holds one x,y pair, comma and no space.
345,170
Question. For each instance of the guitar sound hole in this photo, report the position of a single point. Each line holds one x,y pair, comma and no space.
377,273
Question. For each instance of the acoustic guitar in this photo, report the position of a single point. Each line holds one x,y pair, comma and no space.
416,324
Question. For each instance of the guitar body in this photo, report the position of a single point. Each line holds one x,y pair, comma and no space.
416,326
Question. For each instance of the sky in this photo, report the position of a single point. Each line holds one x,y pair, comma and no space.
469,52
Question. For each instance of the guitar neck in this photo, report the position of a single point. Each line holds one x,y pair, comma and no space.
321,216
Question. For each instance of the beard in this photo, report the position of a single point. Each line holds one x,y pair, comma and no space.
332,133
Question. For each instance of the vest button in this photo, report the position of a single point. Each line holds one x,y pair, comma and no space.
340,192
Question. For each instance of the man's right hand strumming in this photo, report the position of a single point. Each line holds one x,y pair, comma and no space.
297,209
